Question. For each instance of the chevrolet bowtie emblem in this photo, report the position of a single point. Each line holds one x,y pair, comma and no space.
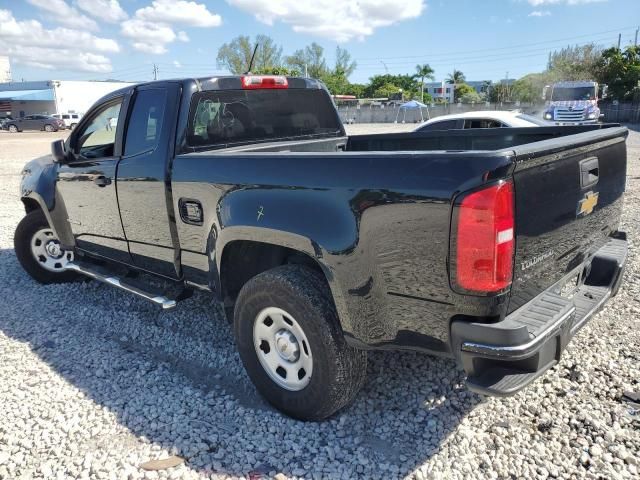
587,204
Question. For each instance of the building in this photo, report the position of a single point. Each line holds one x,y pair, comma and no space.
440,90
19,99
5,69
479,86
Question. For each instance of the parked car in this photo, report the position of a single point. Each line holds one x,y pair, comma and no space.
490,246
35,122
481,119
4,120
70,119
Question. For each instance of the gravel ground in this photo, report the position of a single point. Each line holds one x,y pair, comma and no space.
94,382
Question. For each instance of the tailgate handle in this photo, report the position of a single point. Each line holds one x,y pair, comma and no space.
589,172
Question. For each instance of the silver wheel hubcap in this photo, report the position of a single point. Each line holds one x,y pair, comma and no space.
46,249
282,348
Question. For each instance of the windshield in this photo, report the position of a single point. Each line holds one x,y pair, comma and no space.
573,93
532,119
220,118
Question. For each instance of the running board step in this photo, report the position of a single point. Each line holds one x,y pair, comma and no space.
98,274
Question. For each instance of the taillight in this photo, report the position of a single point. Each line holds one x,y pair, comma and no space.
484,240
264,81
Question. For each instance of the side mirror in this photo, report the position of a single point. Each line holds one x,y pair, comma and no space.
58,151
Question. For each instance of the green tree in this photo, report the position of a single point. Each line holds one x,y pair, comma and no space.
386,90
462,89
577,62
529,88
344,63
236,55
309,60
620,70
501,92
423,72
456,77
405,82
288,72
336,82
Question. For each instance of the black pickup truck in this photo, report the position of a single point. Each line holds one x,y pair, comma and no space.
492,246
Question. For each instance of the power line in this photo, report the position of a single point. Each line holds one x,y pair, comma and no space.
510,47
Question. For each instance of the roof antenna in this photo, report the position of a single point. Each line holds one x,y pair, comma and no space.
255,49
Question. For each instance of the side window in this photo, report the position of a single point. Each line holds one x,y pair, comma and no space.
482,123
443,125
145,123
97,138
66,117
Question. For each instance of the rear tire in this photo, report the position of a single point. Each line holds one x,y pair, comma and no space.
13,129
289,312
72,126
38,250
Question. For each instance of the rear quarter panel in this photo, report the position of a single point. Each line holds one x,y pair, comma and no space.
377,223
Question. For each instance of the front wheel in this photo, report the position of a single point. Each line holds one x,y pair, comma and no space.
292,346
13,129
39,251
48,128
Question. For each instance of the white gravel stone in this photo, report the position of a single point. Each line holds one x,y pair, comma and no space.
94,382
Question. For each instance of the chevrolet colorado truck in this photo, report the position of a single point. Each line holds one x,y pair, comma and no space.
489,246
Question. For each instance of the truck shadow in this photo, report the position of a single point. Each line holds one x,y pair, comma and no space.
173,379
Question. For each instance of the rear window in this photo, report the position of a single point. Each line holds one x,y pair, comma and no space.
220,118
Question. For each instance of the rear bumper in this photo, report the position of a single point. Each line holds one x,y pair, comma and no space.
502,358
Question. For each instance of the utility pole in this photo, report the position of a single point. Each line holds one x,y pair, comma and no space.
306,71
635,42
619,40
155,71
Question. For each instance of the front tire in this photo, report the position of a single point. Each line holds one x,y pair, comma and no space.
292,346
48,128
39,252
13,129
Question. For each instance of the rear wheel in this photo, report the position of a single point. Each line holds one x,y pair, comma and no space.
48,128
13,129
72,126
39,251
291,344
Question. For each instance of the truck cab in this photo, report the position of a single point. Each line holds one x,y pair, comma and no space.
573,103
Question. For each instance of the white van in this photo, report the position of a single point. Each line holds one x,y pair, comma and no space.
70,119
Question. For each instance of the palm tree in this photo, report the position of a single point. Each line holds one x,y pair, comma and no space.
423,72
456,77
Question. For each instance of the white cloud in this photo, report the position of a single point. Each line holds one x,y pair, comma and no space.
540,13
29,43
537,3
177,64
148,37
180,12
61,12
106,10
339,20
151,30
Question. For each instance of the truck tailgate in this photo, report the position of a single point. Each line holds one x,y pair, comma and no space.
568,201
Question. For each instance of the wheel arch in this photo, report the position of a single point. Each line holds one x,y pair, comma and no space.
257,254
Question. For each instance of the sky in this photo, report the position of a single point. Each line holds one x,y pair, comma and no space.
123,39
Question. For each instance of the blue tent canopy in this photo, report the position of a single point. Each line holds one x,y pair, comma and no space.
413,104
46,94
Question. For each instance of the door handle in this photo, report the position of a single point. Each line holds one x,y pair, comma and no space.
589,172
102,181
